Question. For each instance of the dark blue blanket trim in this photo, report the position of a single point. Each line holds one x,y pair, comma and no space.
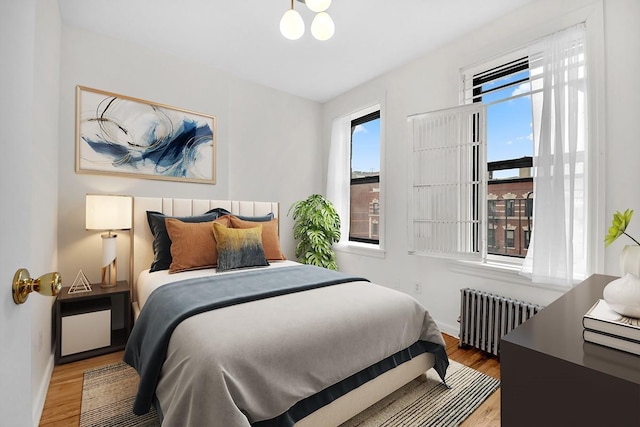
168,305
331,393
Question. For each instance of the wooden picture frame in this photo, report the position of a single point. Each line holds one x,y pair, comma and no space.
117,134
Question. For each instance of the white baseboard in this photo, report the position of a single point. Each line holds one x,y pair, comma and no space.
453,330
41,397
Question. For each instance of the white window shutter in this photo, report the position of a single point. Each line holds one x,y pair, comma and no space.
447,211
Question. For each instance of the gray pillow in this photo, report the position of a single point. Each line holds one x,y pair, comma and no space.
161,241
223,211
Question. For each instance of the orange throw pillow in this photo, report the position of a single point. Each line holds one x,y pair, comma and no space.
270,238
193,245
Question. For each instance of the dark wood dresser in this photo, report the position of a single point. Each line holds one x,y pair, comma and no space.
551,377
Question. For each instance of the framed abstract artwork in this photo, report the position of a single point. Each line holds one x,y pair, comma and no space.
117,134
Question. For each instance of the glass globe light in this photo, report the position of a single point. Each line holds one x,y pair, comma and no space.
292,25
322,26
318,5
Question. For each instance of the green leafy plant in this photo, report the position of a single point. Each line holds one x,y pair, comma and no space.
619,226
317,226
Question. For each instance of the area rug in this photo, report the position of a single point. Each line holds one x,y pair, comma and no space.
430,403
108,393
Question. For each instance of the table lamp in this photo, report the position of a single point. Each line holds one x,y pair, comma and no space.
108,213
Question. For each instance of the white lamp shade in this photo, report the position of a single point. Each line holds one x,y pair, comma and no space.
318,5
322,26
108,212
292,25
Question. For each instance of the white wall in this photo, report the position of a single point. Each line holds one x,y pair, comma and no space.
432,82
622,38
274,151
29,40
261,133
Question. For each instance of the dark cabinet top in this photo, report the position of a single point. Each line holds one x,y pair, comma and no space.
557,332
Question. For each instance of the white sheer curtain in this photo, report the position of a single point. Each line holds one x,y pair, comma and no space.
338,171
557,251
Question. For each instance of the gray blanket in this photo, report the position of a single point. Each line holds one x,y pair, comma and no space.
249,362
170,304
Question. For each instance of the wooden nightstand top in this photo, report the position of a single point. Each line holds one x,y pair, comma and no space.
122,286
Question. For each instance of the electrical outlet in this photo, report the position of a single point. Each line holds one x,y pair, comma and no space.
418,288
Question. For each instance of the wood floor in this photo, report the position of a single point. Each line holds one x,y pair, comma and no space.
62,407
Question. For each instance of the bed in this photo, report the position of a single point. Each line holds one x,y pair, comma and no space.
281,344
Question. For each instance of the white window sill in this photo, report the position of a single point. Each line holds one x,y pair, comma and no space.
356,248
502,271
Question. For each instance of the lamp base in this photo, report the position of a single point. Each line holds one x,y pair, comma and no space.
109,269
109,276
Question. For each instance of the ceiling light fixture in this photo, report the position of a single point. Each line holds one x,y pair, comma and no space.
318,5
322,28
291,24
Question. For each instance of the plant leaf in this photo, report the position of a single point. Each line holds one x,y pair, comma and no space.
317,227
619,225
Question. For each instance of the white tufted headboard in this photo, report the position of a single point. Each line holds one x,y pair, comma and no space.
142,239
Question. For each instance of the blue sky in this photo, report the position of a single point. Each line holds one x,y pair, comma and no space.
365,147
509,131
509,134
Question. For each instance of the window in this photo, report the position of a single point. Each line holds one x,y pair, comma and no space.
491,208
533,98
355,180
365,179
506,91
510,207
375,207
491,237
510,237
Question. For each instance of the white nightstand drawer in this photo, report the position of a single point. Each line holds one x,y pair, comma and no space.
85,331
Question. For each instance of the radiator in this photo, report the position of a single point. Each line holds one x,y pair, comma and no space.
485,318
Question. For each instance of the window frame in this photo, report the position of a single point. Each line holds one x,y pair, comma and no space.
355,122
478,75
345,245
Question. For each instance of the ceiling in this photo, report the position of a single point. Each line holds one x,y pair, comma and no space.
243,37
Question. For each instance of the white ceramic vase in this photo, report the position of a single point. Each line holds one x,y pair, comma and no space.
630,260
623,295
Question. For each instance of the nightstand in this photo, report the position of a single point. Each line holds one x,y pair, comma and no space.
88,324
